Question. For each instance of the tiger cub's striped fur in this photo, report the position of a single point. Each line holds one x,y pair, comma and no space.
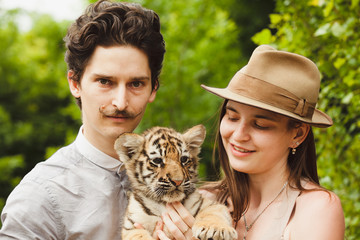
162,167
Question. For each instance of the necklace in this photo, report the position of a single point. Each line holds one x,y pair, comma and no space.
248,227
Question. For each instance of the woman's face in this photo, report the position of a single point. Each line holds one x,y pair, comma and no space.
256,141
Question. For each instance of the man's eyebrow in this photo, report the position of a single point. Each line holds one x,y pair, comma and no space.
136,78
98,75
140,78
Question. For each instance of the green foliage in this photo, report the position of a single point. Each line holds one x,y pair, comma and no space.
8,179
35,104
250,17
328,33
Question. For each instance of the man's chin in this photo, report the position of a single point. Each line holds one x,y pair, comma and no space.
116,126
116,130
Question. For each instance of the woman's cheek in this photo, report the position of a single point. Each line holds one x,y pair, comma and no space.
225,128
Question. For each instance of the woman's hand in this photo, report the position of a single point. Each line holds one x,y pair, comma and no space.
178,221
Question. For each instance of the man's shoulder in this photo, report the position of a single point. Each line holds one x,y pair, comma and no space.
49,179
56,164
64,155
61,191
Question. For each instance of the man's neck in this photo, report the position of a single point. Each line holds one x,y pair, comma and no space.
104,145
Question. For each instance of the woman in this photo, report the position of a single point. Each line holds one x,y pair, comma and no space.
267,152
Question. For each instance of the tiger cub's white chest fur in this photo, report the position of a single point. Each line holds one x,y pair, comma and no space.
162,167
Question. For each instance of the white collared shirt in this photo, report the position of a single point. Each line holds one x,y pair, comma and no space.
78,193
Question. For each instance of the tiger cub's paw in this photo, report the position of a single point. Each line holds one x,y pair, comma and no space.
220,232
136,234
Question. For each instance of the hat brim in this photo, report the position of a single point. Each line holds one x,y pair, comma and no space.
319,119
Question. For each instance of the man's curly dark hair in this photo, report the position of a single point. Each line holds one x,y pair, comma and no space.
107,23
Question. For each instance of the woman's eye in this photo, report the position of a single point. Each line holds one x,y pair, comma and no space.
157,161
232,118
261,126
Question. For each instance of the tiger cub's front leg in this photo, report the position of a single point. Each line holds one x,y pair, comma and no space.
214,222
135,214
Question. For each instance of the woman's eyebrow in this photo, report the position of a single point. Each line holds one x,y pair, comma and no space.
268,117
231,109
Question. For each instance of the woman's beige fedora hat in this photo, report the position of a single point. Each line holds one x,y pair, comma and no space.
278,81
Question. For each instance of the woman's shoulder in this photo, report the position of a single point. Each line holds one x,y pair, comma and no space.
317,211
315,196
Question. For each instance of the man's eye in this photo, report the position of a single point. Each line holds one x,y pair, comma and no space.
136,84
103,81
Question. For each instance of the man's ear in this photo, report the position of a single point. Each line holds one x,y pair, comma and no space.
152,96
300,135
74,85
153,92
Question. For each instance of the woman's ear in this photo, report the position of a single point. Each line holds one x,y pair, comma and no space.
301,133
74,85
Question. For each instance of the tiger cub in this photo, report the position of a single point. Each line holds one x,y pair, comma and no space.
162,167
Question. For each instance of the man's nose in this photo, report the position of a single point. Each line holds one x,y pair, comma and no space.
120,98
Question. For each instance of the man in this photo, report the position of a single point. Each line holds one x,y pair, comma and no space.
114,56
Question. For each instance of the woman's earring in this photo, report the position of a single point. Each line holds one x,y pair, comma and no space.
293,150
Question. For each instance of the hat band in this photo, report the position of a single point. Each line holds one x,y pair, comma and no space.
271,94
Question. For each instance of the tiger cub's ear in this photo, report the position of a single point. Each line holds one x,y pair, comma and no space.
194,137
128,144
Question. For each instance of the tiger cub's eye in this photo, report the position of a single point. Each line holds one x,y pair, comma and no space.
157,161
184,160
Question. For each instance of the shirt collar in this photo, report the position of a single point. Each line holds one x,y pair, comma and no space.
96,156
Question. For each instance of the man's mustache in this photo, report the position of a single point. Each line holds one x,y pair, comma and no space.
111,111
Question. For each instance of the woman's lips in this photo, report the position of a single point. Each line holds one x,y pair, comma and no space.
243,150
239,151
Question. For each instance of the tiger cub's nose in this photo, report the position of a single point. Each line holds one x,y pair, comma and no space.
177,182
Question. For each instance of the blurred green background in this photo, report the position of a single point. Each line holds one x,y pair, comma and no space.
207,41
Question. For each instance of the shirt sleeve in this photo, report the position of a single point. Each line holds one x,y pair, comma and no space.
30,213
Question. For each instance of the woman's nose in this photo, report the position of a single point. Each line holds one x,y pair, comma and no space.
241,132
